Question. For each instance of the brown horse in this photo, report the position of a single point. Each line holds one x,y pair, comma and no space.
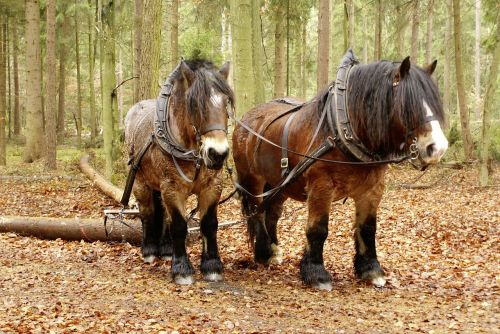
185,147
392,109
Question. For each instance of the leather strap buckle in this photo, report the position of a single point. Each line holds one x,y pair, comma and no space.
284,163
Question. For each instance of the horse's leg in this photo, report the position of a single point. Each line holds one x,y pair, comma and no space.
165,240
211,265
312,268
174,200
256,226
273,214
366,265
151,223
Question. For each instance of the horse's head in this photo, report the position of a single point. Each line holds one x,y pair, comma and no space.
207,97
418,111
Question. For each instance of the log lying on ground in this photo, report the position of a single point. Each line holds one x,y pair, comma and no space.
106,187
72,229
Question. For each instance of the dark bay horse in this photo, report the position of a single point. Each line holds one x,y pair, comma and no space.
393,109
185,147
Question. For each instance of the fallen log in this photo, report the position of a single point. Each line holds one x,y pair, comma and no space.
106,187
72,229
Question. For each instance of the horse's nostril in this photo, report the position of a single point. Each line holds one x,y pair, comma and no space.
430,150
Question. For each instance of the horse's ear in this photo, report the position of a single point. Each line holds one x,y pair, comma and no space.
224,70
187,73
431,67
404,68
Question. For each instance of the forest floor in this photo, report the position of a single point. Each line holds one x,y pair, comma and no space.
439,247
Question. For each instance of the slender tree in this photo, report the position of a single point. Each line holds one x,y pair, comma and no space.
323,43
15,64
415,23
3,105
279,52
137,47
34,118
428,42
109,82
447,58
63,51
491,104
464,115
377,49
477,62
150,50
51,110
257,54
241,35
91,60
174,34
78,79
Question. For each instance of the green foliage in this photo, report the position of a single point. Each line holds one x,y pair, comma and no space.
199,45
454,135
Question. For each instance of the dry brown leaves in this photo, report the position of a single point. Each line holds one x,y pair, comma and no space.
439,247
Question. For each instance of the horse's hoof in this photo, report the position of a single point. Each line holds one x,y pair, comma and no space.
277,257
149,259
378,282
213,277
184,280
327,286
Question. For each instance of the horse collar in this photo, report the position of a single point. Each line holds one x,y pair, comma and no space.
338,117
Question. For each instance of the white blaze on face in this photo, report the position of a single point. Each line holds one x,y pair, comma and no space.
218,143
216,99
435,137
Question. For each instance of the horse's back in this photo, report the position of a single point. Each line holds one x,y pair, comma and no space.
139,122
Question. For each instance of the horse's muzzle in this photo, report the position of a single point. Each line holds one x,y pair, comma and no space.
216,159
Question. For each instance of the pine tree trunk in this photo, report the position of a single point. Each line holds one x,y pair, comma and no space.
34,117
9,70
377,52
78,83
447,59
3,104
477,62
414,31
51,110
61,107
491,104
464,115
257,55
174,34
17,108
93,117
428,43
279,54
150,50
241,20
137,47
323,43
109,82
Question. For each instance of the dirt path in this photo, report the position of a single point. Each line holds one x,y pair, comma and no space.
439,246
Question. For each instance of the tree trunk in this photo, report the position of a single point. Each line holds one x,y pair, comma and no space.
150,50
9,77
447,59
365,36
3,104
414,31
400,30
72,229
61,108
279,54
428,43
93,117
17,108
34,119
377,50
257,54
137,47
241,20
323,43
78,83
109,82
303,60
464,115
51,110
174,34
477,62
490,106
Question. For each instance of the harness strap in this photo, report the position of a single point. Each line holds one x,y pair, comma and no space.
213,127
284,147
135,163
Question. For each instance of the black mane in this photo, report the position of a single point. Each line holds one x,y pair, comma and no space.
207,77
374,104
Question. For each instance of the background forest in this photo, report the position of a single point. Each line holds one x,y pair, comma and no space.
70,69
